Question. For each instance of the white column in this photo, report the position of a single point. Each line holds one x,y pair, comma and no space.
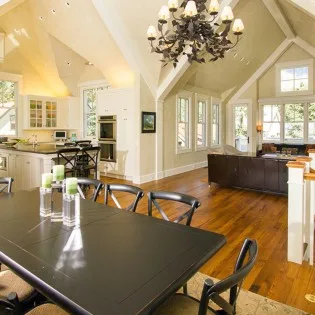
296,212
311,154
159,167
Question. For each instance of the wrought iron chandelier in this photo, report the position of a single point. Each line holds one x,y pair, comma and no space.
194,31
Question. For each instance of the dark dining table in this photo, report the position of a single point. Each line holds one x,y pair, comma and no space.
115,262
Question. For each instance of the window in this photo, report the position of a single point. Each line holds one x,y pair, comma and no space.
289,122
183,123
293,121
295,78
7,108
215,138
201,123
271,122
89,111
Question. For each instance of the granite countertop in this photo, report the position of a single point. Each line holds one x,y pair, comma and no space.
265,156
41,148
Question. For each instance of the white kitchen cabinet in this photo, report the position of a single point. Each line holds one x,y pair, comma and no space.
51,113
28,172
69,113
113,101
40,112
119,102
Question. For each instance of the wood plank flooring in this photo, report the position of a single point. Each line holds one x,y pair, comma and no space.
239,214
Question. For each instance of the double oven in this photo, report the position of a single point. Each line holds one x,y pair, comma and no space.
107,132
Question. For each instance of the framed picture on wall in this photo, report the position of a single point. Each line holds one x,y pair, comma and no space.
148,122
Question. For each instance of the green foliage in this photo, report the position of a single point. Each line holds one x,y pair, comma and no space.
7,91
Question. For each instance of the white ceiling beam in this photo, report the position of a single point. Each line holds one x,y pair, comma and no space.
263,68
115,26
277,14
304,45
175,74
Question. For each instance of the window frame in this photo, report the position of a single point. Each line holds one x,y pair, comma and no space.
205,99
294,64
215,101
17,81
261,114
97,84
187,95
305,101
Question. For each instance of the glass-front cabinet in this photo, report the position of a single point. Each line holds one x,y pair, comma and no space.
42,112
51,114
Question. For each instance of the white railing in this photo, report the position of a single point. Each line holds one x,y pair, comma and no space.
301,209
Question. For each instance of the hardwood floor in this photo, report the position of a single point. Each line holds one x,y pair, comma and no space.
239,214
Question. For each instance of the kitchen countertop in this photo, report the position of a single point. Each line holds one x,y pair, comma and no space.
41,148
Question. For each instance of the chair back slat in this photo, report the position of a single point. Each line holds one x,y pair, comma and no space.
68,158
85,184
6,184
153,196
136,191
233,282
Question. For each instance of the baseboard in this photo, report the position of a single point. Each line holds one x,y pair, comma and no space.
125,177
184,169
144,179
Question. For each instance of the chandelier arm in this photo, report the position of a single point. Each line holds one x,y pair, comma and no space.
174,17
237,40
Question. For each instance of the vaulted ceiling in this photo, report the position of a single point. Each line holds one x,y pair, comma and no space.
50,42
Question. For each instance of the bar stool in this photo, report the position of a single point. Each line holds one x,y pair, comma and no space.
68,158
83,143
87,161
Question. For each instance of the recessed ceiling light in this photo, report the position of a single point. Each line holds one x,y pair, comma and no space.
88,63
53,11
242,59
68,4
247,63
68,63
235,55
40,18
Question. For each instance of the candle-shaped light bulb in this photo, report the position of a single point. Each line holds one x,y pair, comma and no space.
71,185
227,14
190,9
58,173
173,5
164,13
151,33
238,27
214,7
47,180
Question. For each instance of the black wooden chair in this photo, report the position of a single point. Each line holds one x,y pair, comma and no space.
88,187
154,196
184,304
6,184
70,144
68,158
111,188
83,143
87,161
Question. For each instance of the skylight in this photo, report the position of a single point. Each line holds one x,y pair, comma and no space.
307,5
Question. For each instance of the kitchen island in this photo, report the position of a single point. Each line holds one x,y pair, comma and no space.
264,173
26,163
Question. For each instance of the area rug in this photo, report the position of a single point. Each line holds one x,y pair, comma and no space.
248,303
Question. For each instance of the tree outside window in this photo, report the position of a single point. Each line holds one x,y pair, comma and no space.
7,108
89,103
294,121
